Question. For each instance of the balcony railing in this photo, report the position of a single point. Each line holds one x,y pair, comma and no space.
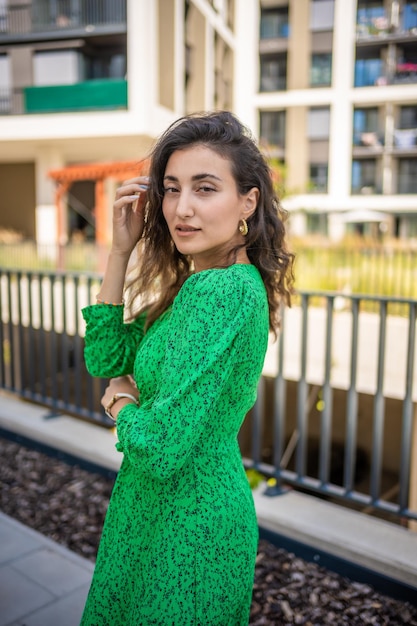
374,73
6,101
405,138
43,16
269,83
373,140
334,414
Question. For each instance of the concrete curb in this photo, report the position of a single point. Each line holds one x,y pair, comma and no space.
366,541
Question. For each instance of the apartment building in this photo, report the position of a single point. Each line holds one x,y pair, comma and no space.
87,85
330,86
337,104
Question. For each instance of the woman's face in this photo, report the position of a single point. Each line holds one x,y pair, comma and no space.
202,206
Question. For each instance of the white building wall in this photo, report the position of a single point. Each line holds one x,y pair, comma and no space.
341,114
246,62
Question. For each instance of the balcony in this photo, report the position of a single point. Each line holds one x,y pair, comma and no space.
47,19
273,73
407,175
405,140
274,24
274,31
375,73
376,25
366,178
367,142
405,73
86,96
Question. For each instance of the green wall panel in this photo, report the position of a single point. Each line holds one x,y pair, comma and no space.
89,95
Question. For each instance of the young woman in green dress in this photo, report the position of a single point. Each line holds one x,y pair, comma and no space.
180,537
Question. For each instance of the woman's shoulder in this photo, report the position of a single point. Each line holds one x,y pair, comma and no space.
229,285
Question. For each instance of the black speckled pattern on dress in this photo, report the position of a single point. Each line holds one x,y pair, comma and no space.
180,537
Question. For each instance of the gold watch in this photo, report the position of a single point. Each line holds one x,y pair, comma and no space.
115,398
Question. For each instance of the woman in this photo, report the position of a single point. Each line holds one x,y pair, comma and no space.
179,542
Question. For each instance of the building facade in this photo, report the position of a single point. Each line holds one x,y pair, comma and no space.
337,104
329,86
86,82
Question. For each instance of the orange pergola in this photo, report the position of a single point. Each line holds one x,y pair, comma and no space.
98,172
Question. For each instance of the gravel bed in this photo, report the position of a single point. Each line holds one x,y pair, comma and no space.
67,504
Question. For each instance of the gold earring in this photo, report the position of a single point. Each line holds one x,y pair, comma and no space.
243,227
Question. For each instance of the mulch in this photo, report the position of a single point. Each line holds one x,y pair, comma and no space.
68,503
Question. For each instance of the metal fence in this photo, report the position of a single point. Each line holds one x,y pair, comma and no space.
380,270
389,270
58,15
336,403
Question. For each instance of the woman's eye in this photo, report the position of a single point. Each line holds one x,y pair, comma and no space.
205,189
170,190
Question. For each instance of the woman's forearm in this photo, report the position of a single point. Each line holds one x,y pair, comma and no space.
112,286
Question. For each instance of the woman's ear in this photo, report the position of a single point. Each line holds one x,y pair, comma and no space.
251,202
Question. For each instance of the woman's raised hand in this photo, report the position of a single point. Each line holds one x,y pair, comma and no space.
128,214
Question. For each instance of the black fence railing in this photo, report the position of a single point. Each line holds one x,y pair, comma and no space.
337,405
42,341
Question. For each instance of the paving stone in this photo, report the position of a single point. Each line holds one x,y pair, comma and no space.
53,571
19,595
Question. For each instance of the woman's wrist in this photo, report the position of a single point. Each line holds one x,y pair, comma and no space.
121,399
120,256
112,286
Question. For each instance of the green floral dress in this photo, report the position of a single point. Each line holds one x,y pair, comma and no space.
180,537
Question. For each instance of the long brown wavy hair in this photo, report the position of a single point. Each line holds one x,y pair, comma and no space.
161,270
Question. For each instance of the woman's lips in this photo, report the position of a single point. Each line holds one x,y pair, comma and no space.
185,231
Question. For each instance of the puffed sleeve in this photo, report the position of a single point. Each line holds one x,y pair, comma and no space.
203,348
110,343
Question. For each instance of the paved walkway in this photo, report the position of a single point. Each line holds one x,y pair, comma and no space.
41,582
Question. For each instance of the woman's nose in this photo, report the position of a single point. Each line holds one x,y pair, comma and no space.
184,205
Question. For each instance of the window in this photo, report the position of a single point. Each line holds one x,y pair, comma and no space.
274,73
410,16
321,70
319,123
317,223
5,84
321,14
407,175
371,17
272,128
5,74
112,64
3,16
274,23
318,177
366,127
408,117
405,134
364,176
56,67
369,72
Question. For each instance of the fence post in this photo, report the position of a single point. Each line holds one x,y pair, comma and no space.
412,504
